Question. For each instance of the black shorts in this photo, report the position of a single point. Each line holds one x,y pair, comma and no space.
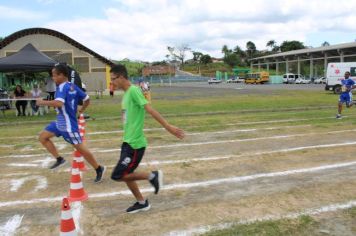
129,160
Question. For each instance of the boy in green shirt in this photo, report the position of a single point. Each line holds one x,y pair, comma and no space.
134,107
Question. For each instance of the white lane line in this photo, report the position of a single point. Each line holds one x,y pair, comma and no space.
77,208
195,126
10,227
62,145
192,144
230,141
212,158
16,184
311,211
236,179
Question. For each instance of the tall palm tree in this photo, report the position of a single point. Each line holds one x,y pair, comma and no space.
271,44
251,48
325,44
225,50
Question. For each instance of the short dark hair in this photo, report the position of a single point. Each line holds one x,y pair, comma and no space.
348,72
61,69
119,69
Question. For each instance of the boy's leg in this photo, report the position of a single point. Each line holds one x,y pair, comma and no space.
86,154
339,108
100,170
45,139
132,185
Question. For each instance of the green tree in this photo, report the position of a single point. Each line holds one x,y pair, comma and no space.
232,59
197,56
179,53
1,39
205,59
271,44
291,45
251,49
325,44
225,50
239,51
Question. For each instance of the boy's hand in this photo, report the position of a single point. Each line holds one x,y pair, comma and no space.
81,111
179,133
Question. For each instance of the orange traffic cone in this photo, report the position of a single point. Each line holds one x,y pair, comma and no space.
67,222
80,160
76,192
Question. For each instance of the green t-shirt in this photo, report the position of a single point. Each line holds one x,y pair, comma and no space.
133,116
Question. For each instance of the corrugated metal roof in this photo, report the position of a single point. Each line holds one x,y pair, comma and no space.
310,50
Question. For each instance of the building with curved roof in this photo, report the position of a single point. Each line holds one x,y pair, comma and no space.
93,68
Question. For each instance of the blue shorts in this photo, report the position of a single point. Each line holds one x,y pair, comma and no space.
70,137
346,97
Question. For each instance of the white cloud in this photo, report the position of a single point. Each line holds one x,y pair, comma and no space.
142,30
8,13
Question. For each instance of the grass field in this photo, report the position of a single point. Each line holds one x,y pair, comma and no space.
266,162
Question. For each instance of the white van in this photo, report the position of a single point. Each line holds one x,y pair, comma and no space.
290,78
335,73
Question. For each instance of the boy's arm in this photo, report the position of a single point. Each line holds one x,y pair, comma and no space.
85,105
170,128
53,103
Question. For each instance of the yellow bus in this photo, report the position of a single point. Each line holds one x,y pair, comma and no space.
257,78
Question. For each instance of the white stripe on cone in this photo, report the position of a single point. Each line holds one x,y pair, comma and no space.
66,215
76,185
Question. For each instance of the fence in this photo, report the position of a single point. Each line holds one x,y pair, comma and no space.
171,79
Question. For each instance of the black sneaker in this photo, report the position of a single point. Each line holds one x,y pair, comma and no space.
99,174
157,181
137,207
58,163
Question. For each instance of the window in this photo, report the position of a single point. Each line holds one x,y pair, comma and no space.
82,63
98,70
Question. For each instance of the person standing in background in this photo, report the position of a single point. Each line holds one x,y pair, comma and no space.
50,86
20,93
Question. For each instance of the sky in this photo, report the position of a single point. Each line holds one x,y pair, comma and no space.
142,29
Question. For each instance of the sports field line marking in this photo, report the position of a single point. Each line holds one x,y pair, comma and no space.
236,179
62,145
310,211
16,184
212,158
196,126
194,144
231,141
10,227
77,208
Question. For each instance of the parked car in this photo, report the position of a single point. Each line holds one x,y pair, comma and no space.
306,81
214,81
321,80
235,80
291,78
299,81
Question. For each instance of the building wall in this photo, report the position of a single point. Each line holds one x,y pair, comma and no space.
92,70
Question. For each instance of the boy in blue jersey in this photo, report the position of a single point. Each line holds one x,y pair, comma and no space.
347,85
66,103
